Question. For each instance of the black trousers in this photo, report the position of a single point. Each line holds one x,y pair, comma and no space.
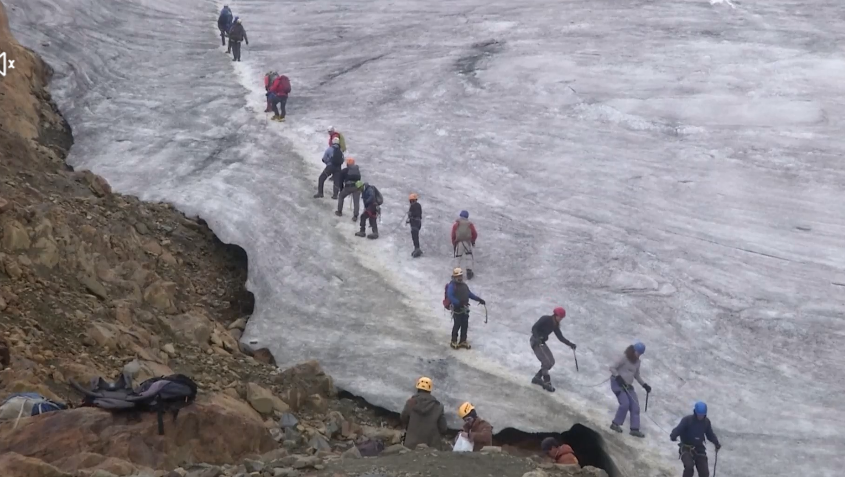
371,214
330,170
416,225
236,49
460,324
695,461
281,101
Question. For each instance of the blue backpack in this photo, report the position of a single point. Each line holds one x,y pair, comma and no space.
40,404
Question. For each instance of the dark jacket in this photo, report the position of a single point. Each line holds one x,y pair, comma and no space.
480,433
424,421
545,326
224,21
415,215
368,196
692,432
238,33
337,157
459,294
350,174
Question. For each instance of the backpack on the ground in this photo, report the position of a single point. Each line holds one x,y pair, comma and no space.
28,404
285,84
164,394
447,303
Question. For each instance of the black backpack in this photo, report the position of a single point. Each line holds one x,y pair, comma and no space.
164,394
379,198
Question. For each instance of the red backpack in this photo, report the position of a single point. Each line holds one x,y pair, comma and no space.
285,84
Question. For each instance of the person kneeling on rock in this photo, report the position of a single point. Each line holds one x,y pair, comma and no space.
562,454
477,430
423,418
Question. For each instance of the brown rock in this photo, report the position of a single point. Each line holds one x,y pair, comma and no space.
104,335
193,325
162,295
309,378
99,186
141,370
152,247
196,436
318,403
47,252
15,237
123,314
5,206
168,259
16,465
263,400
13,269
264,355
93,286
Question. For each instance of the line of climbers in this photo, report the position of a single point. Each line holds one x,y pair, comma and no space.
348,181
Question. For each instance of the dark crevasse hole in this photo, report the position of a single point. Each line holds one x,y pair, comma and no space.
587,444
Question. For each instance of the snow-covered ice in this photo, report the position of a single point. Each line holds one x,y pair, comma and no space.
668,171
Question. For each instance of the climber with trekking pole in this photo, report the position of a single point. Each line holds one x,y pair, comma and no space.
693,430
623,373
540,333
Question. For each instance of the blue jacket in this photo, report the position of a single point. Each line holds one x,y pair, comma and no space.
327,156
450,294
692,432
224,21
369,195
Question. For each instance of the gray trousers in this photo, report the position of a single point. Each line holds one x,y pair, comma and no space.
693,462
356,198
544,354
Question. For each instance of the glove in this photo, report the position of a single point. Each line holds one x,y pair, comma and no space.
647,388
481,302
573,346
674,439
718,446
621,382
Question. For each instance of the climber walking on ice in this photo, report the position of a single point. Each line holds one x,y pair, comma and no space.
623,373
458,295
693,430
333,159
463,240
415,221
372,209
349,177
224,23
237,34
540,333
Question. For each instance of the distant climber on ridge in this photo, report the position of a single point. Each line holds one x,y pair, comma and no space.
237,34
423,417
333,159
372,208
560,453
477,430
463,240
540,333
623,373
459,294
224,23
334,133
277,96
415,220
692,450
348,177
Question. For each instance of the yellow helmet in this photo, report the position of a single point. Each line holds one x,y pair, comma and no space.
424,384
457,272
465,409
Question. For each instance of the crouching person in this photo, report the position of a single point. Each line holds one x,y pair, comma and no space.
477,430
560,453
423,418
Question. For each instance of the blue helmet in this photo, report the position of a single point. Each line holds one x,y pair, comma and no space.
465,214
700,408
639,348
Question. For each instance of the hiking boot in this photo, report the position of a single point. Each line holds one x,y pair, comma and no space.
338,213
318,196
282,119
537,380
354,218
637,433
334,197
372,236
416,253
453,344
360,234
464,345
276,117
614,427
548,387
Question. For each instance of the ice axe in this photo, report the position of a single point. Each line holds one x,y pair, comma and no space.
576,361
646,401
485,313
715,462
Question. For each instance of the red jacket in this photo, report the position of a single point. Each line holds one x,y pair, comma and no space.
455,230
280,85
333,135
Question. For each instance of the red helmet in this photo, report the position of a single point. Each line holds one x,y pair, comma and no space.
560,312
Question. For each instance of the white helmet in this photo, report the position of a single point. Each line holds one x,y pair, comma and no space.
331,129
335,141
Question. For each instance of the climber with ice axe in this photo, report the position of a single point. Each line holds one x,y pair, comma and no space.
540,333
693,430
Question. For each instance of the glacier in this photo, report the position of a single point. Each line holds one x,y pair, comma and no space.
670,172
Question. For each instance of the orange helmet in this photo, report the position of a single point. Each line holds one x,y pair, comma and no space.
412,197
350,161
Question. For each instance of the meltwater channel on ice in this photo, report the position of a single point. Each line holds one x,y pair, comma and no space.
668,171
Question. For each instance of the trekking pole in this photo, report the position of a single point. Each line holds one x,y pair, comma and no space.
715,462
576,363
485,313
646,401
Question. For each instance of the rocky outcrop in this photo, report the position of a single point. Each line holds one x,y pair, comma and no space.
214,432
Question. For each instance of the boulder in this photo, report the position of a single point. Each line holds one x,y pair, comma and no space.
263,400
16,465
15,237
352,453
161,295
203,432
395,449
239,324
93,286
319,443
193,325
47,252
236,405
5,206
264,355
103,335
384,434
152,247
142,370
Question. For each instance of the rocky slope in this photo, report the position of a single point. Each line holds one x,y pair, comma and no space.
93,283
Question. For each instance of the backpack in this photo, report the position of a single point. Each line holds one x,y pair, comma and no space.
164,394
29,404
447,303
463,233
285,84
379,198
